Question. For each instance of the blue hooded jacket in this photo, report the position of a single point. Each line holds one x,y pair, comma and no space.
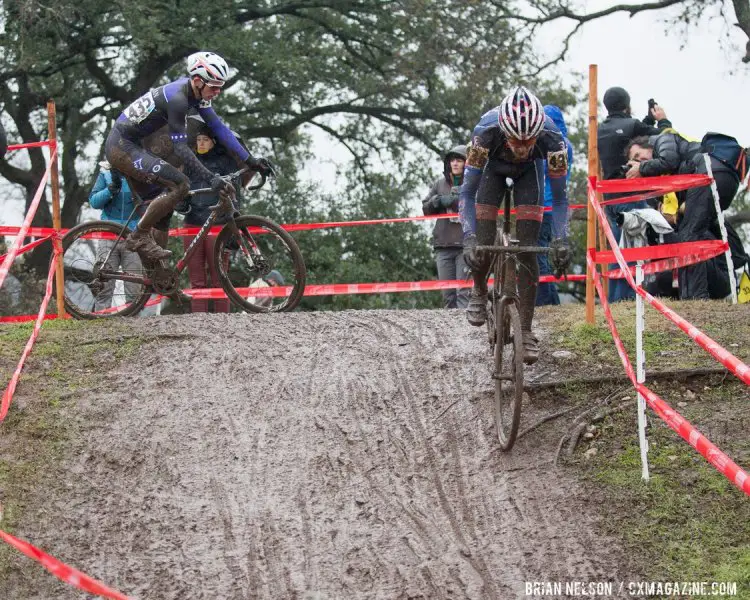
117,208
554,113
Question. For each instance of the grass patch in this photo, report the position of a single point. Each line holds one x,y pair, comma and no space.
69,357
688,523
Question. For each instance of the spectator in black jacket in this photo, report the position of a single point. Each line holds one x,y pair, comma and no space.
613,136
670,154
201,268
447,236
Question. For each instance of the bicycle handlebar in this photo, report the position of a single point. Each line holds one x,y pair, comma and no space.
236,174
514,249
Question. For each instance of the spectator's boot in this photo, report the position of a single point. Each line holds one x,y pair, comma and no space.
140,241
476,312
530,348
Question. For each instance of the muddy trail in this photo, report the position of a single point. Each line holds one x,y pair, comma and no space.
311,455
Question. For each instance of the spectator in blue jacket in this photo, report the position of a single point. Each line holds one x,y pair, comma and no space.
547,292
111,194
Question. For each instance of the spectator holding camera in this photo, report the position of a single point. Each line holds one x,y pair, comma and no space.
613,135
670,154
447,235
111,194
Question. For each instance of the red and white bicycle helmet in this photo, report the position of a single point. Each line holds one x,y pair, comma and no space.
521,114
210,67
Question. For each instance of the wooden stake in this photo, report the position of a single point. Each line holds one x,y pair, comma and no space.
593,173
56,220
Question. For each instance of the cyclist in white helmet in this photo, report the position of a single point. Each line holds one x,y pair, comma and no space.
150,174
512,141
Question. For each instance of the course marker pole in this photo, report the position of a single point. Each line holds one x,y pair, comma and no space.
720,216
593,173
56,220
640,364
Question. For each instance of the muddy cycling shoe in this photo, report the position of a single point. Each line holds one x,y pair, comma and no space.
141,242
476,312
530,348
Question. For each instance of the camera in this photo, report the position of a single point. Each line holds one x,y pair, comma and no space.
651,104
624,169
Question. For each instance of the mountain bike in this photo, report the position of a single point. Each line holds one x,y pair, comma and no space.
504,327
98,284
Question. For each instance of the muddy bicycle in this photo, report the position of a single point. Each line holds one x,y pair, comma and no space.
247,249
504,327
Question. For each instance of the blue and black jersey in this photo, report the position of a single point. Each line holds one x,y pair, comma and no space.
169,105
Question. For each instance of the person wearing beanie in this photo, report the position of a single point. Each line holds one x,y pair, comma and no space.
201,268
447,235
613,135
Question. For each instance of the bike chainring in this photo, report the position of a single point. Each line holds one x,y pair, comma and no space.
164,280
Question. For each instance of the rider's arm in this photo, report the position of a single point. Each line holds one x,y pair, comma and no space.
477,156
557,170
223,133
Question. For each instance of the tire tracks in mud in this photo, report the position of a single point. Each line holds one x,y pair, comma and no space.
311,455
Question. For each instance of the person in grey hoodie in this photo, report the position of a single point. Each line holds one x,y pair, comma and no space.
447,236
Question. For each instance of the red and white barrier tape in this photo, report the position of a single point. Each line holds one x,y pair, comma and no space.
28,247
326,289
49,143
725,465
13,252
10,390
180,231
676,262
62,571
657,186
726,358
657,252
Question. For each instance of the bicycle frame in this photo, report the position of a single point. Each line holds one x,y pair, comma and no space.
202,233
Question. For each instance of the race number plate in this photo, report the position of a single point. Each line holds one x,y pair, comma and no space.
141,108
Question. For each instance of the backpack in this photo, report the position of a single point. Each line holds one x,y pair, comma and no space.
726,150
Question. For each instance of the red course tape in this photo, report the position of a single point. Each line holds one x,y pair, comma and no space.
62,571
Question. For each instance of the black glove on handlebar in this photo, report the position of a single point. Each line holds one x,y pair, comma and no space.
261,165
470,253
218,184
560,257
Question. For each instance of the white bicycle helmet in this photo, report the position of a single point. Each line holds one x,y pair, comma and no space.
210,67
521,114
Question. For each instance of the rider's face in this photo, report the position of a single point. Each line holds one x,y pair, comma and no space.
521,148
206,90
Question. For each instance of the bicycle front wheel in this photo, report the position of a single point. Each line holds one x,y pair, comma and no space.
94,265
260,265
508,373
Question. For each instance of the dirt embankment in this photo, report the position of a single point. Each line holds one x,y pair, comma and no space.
311,455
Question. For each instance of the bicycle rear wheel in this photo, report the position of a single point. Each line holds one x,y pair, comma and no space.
508,373
92,287
262,254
